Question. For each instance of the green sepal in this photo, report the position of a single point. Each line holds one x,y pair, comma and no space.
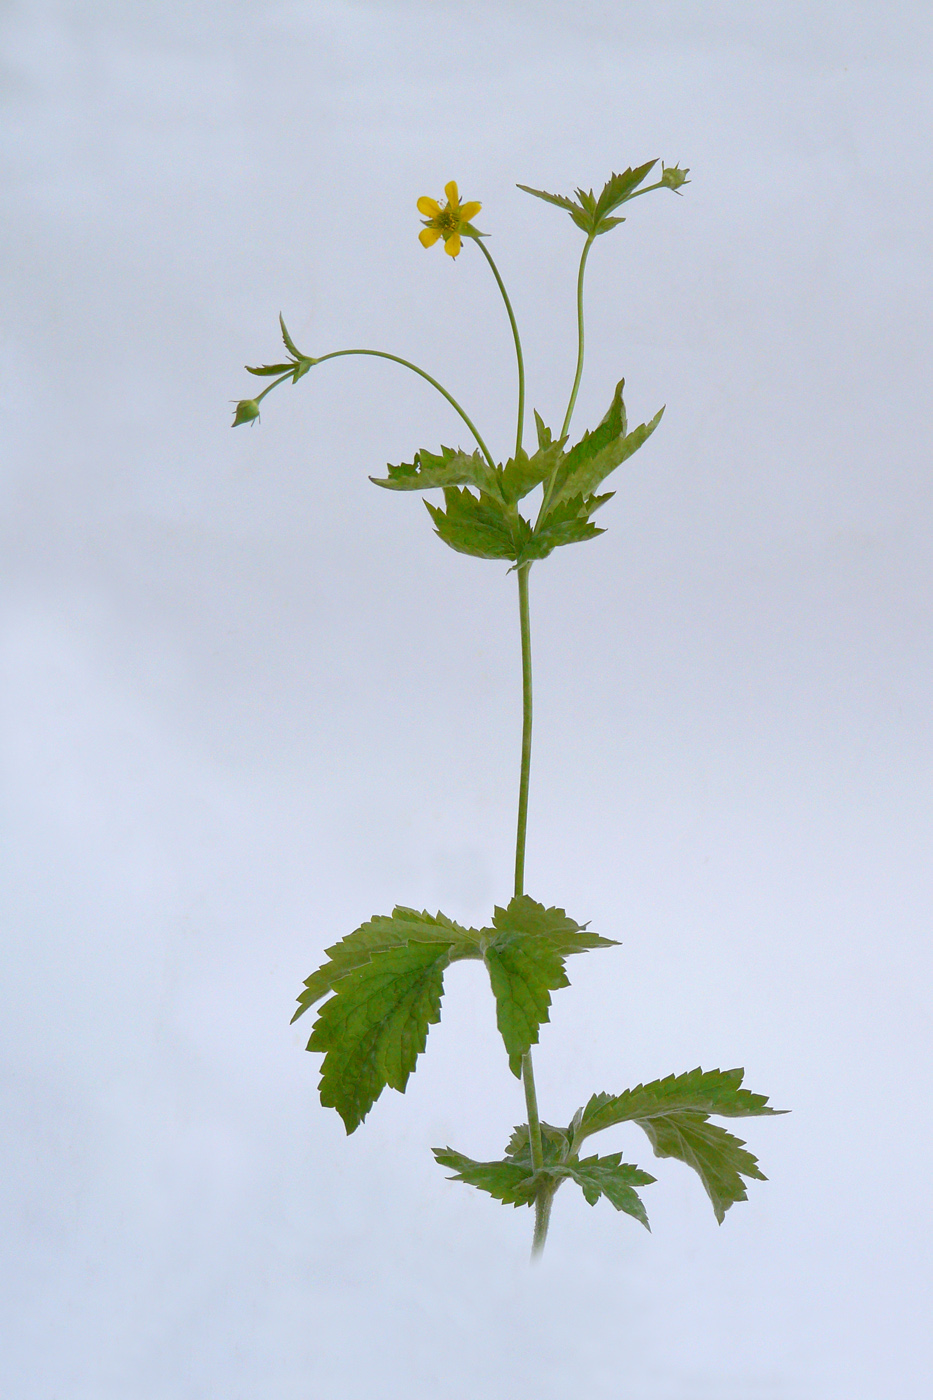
591,213
673,1112
387,980
524,952
427,471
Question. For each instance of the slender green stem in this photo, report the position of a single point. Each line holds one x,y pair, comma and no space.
579,374
525,617
397,359
536,1148
518,345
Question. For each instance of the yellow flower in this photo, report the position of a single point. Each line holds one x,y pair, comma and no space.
446,223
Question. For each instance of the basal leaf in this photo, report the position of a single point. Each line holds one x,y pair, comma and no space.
387,980
611,1177
428,471
524,952
477,525
719,1158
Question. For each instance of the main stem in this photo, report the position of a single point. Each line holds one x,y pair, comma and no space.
542,1201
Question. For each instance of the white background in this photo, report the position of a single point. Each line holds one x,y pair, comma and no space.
249,700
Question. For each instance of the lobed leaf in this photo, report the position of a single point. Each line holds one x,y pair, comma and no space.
524,953
698,1091
611,1177
590,213
480,526
674,1113
716,1156
511,1182
598,453
428,471
387,980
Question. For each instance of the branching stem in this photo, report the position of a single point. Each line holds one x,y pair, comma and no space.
397,359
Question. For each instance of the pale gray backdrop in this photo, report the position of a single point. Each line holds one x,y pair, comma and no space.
249,700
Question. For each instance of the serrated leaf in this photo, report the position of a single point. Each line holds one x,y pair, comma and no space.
555,1145
387,980
611,1177
480,526
378,935
698,1091
513,1183
598,453
719,1159
375,1026
616,190
545,436
591,213
428,471
270,369
524,953
289,343
523,473
567,523
673,1112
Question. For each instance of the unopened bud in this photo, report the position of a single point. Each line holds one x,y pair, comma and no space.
246,411
673,177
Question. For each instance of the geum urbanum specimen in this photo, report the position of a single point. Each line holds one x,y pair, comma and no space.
384,981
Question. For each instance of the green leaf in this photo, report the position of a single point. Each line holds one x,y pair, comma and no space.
568,523
673,1112
387,980
611,1177
290,344
524,953
598,453
719,1158
428,471
270,369
480,526
522,474
698,1091
513,1183
590,213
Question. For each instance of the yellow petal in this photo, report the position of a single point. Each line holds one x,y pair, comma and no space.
469,211
428,237
428,207
452,245
453,197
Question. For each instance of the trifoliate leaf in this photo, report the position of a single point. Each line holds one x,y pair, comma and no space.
481,526
674,1113
428,471
387,980
598,453
611,1177
524,952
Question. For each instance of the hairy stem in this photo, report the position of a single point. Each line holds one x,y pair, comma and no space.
397,359
519,431
543,1200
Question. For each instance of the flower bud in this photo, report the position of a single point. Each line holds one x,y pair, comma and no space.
246,411
673,177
